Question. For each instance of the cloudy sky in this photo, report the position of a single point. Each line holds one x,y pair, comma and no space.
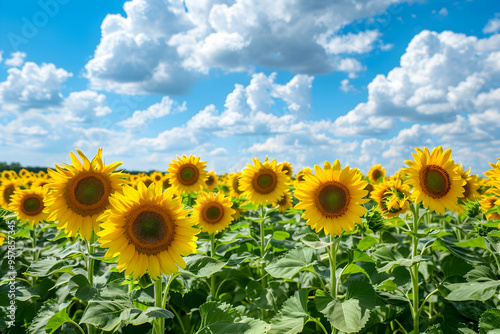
362,81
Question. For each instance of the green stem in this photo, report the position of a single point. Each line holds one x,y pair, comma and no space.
212,277
319,324
35,252
332,256
159,323
262,251
179,319
90,270
425,301
77,325
414,271
170,279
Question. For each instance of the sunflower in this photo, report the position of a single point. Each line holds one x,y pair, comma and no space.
156,176
285,202
332,199
187,174
146,179
2,238
392,196
263,182
434,179
148,229
375,173
487,203
494,172
302,173
235,185
28,203
212,181
471,184
7,189
80,193
327,165
40,182
213,213
287,168
9,175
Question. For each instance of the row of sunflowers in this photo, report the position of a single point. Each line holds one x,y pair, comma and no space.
301,238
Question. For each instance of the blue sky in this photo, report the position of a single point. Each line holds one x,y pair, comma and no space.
305,81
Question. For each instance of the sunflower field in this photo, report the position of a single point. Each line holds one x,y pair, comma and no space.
89,248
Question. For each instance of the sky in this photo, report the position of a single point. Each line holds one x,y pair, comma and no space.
304,81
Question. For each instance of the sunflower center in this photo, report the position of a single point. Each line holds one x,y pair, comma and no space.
301,178
333,199
89,190
7,194
149,228
282,201
213,213
287,171
264,181
32,205
376,174
210,180
236,186
188,175
466,190
436,181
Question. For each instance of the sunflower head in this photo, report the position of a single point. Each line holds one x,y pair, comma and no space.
287,168
471,183
392,196
285,202
263,182
80,193
235,188
302,173
7,189
212,181
332,199
187,174
434,179
148,229
375,173
487,203
156,176
213,213
28,203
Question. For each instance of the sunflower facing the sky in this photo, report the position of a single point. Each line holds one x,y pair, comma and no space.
263,182
435,180
148,229
213,213
375,173
332,199
28,203
80,193
187,174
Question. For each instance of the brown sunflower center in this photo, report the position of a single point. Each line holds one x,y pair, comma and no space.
150,229
466,190
188,174
265,181
377,173
236,186
157,177
436,181
88,193
301,177
213,213
287,170
332,199
210,180
32,205
282,201
89,190
7,193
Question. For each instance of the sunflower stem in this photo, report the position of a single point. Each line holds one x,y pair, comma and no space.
159,323
35,252
212,277
414,270
262,250
332,256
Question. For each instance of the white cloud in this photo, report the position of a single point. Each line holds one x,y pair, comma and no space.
346,87
443,12
16,59
32,86
1,56
84,106
159,47
493,26
142,118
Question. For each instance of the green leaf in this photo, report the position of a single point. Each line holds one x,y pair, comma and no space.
471,290
49,266
352,269
313,240
472,243
281,235
80,287
202,266
480,273
294,261
367,242
219,317
43,316
293,315
105,313
56,321
352,314
454,266
448,244
490,322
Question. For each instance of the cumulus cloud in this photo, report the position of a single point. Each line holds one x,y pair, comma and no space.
142,118
32,86
16,59
493,26
162,47
84,105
